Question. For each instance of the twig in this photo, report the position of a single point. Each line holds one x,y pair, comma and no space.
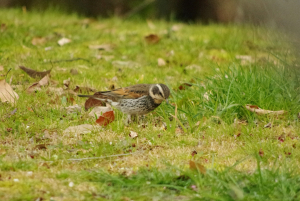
68,60
138,8
7,73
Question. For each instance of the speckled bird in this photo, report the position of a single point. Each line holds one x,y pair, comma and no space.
134,100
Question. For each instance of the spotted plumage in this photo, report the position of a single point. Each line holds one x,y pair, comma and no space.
134,100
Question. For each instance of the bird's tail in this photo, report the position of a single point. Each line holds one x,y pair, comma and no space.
87,96
95,97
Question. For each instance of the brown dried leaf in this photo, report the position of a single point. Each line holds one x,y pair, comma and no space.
133,134
161,62
37,85
34,87
152,39
194,153
74,71
91,102
106,118
259,111
44,81
7,94
261,152
3,27
34,73
182,87
66,83
197,166
38,41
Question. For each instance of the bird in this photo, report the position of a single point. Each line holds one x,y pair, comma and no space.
137,99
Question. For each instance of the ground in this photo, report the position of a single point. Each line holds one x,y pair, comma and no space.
213,72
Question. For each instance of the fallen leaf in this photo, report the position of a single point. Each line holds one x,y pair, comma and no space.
44,81
73,109
83,89
3,27
182,87
1,68
259,111
106,118
73,71
80,129
37,85
38,41
106,47
91,102
98,111
66,83
33,88
197,166
34,73
63,41
133,134
7,94
161,62
152,39
261,152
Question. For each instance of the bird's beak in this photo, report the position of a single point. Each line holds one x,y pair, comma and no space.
167,100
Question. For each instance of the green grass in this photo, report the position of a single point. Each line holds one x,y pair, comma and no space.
245,160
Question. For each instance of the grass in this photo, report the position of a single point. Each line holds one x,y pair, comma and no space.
227,66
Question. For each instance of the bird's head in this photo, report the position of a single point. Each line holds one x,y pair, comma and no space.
159,92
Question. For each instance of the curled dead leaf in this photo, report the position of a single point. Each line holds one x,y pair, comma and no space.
37,85
259,111
152,39
66,83
63,41
38,41
261,152
106,118
35,74
7,94
197,166
184,85
133,134
161,62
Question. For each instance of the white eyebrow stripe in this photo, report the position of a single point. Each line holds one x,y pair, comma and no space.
161,90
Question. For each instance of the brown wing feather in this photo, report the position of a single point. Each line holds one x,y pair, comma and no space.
132,92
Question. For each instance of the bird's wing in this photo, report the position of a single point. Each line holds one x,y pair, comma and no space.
132,92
